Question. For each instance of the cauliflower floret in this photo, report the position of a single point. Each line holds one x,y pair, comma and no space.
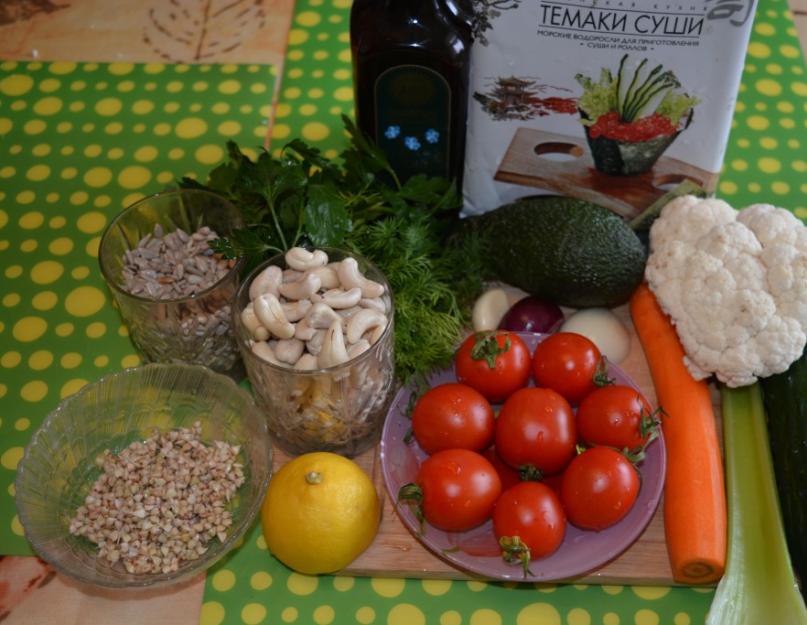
734,284
771,224
687,218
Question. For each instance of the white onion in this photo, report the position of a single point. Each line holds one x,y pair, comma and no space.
604,329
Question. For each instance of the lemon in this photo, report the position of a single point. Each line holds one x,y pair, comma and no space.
320,512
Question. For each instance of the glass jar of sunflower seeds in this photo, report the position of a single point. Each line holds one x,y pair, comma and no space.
173,291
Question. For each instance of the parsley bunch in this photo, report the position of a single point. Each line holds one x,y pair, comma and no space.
356,202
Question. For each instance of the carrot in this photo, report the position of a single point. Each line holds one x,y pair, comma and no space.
694,497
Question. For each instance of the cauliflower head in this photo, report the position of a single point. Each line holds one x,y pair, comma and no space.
734,284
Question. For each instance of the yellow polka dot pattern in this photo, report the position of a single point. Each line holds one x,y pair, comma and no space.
72,154
762,159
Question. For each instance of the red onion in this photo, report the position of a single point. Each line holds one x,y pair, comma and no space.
532,315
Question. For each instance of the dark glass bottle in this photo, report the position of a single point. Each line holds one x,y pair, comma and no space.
410,74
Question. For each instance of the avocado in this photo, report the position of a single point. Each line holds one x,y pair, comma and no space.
564,250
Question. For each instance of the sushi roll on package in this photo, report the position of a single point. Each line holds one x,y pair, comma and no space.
616,103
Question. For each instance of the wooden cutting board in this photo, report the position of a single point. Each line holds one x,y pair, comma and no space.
397,553
564,165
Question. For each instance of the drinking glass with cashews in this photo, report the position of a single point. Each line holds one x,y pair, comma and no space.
315,330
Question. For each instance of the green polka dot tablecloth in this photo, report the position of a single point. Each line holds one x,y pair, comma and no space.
766,162
77,143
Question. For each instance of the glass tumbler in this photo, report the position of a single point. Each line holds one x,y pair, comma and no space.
195,329
340,409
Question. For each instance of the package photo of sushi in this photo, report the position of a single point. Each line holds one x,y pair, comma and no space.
615,114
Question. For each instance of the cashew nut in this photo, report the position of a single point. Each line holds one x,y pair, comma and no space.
337,298
333,350
327,275
358,348
321,316
301,259
377,333
261,334
289,350
266,281
307,362
347,313
313,310
262,350
314,344
270,314
302,289
362,321
351,277
253,324
303,331
295,311
376,303
292,275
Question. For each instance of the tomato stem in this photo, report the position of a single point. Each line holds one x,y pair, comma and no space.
412,495
637,454
486,347
530,473
649,423
514,550
419,385
648,430
601,373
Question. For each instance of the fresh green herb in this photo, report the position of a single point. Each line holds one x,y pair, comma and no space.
634,94
356,202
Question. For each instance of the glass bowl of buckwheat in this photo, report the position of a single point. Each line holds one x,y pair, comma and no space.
146,477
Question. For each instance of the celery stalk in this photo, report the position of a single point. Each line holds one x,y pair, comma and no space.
759,585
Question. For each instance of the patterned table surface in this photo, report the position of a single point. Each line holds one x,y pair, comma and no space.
78,141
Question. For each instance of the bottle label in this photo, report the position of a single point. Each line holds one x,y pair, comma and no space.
413,117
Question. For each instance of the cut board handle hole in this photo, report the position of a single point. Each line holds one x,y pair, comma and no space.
668,182
558,151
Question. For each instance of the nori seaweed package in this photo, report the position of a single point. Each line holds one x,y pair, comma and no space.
614,103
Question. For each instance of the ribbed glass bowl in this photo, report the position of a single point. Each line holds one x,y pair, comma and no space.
58,468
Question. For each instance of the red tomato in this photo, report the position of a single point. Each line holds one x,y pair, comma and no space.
536,427
459,488
507,474
554,482
567,363
532,512
614,416
452,416
599,488
494,363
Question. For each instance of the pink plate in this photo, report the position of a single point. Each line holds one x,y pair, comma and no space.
476,550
